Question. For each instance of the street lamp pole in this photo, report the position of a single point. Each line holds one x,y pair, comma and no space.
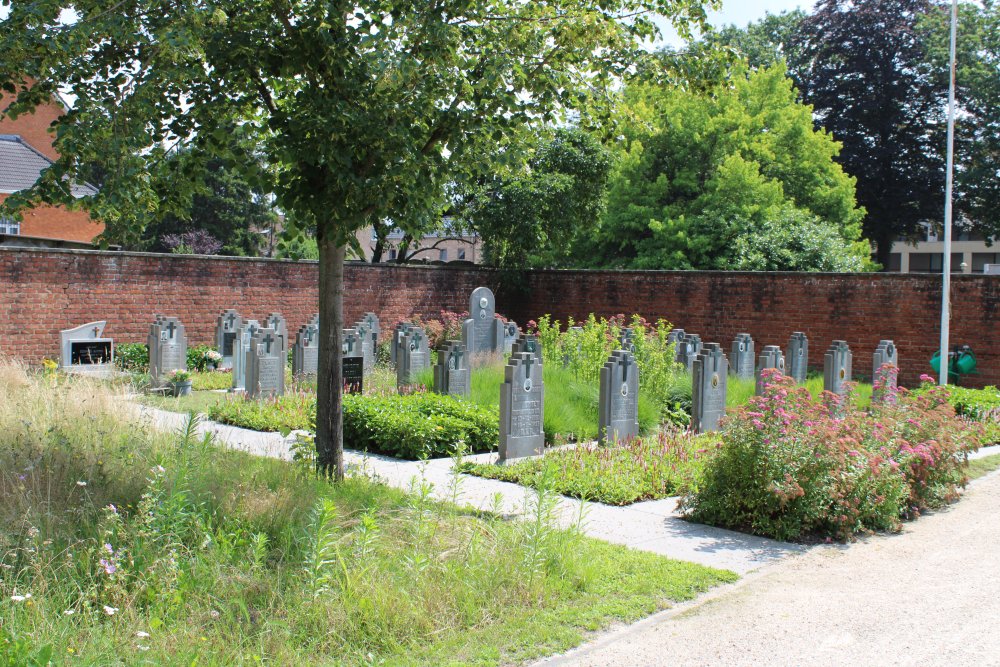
944,364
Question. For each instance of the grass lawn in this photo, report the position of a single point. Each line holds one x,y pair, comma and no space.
197,401
119,546
980,467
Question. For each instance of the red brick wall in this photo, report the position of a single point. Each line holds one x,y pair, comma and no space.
46,291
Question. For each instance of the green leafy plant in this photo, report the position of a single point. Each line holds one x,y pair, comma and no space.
198,357
179,376
132,357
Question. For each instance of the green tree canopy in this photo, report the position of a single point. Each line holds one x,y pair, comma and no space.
363,109
704,169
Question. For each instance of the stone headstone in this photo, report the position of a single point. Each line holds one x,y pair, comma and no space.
708,394
527,343
798,356
885,364
522,408
687,349
770,358
742,356
837,367
241,347
305,353
367,344
352,361
451,372
398,333
226,326
265,365
277,322
510,334
84,349
374,329
167,349
676,336
413,356
618,402
482,333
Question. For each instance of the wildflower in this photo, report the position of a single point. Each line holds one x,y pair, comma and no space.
69,612
141,647
214,614
142,634
110,611
81,483
20,598
109,566
114,510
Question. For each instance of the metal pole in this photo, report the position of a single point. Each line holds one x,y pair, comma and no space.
946,263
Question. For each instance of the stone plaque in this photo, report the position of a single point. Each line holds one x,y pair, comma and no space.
85,349
742,356
708,393
522,407
354,374
770,357
618,402
837,364
798,356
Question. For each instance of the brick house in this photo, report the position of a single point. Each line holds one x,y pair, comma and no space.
26,148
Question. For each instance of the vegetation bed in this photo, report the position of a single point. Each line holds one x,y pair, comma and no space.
119,546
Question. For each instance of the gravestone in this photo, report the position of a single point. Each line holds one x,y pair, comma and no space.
708,394
798,356
374,329
522,406
770,357
451,372
676,336
837,367
885,364
482,333
618,399
241,348
367,344
277,322
84,349
226,326
352,362
305,353
265,365
627,339
688,348
413,356
742,356
398,333
527,343
167,349
510,334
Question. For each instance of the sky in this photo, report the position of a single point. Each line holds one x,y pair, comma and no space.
737,13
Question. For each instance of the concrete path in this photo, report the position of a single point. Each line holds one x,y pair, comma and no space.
928,596
651,526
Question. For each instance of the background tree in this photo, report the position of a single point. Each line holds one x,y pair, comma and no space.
703,169
534,218
363,109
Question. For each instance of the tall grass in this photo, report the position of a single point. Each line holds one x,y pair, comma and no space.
119,545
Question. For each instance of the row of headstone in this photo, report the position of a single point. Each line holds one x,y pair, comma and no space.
167,345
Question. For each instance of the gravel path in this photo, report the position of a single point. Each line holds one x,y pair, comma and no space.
929,596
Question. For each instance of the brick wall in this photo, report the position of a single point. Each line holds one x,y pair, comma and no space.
44,291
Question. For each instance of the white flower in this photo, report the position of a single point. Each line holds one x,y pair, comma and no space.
141,647
214,614
142,634
69,612
20,598
110,611
81,483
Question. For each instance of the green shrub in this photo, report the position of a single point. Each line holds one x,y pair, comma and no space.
196,360
132,357
658,466
293,411
419,425
209,380
790,466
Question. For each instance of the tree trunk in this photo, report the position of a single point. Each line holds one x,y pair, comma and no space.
404,249
330,384
378,250
883,248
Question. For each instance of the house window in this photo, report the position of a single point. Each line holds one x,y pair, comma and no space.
9,226
443,255
461,253
392,255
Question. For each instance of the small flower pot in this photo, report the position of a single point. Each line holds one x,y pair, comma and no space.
181,388
211,366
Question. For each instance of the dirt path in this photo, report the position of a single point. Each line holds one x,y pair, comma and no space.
929,596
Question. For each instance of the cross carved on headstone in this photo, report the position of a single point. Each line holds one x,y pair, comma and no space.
267,340
528,362
349,342
253,329
625,365
417,337
96,331
310,333
457,354
232,319
170,329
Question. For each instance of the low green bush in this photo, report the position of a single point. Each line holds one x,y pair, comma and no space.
420,425
209,380
293,411
132,357
979,405
196,359
659,466
791,467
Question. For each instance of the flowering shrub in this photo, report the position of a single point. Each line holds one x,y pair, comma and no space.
179,375
446,327
791,467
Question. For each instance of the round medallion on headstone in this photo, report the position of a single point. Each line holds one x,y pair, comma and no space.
413,346
483,302
631,348
343,348
527,384
451,364
843,373
511,329
624,389
890,350
715,380
781,364
801,351
743,346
